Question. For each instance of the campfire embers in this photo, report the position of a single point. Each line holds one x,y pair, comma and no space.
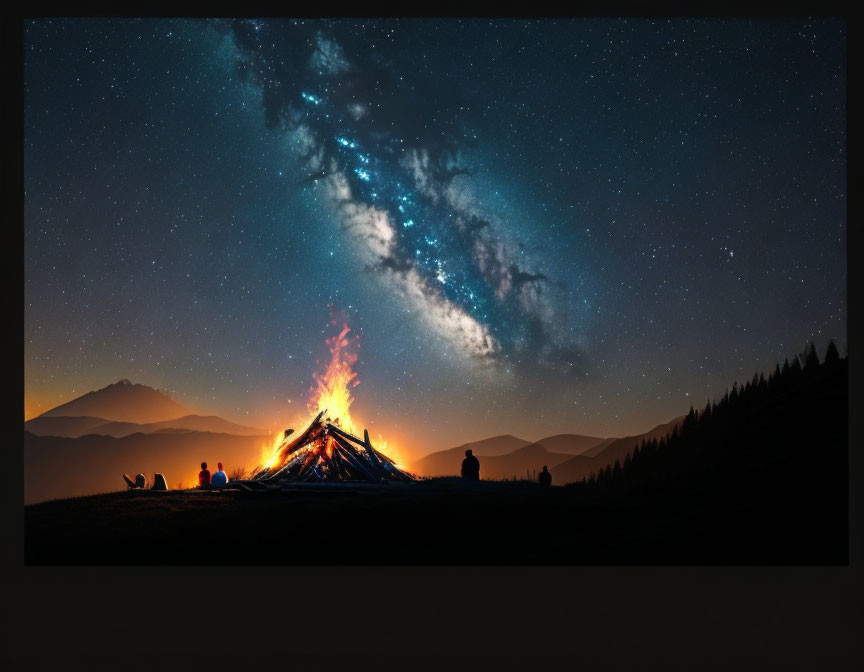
325,452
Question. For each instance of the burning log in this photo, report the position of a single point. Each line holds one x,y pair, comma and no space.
303,439
326,452
354,458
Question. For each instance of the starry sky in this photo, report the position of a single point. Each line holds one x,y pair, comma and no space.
531,226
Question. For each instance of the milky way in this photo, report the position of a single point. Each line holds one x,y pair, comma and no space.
532,226
388,158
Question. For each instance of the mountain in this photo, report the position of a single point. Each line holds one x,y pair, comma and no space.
448,462
122,402
75,427
496,445
198,423
57,467
519,464
63,426
596,450
572,444
578,467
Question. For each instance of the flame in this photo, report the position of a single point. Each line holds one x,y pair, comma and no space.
332,393
333,387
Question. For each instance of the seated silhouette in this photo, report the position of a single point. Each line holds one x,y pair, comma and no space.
470,466
544,478
204,477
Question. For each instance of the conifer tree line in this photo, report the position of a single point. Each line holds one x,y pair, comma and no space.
793,421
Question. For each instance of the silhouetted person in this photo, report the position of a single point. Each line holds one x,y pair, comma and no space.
470,466
204,477
544,478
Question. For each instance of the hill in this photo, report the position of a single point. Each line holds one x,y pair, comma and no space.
122,402
572,444
448,462
63,426
581,466
75,427
520,464
496,445
56,467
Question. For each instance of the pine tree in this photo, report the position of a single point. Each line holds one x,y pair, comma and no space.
795,369
689,421
832,356
811,362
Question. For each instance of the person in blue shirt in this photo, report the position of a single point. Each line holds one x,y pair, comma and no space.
219,478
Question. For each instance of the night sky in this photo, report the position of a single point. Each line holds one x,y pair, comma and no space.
534,227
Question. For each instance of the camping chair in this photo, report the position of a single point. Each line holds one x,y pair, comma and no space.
137,484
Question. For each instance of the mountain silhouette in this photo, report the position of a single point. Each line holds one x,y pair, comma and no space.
75,427
579,467
520,464
520,454
496,445
448,462
572,444
63,425
123,401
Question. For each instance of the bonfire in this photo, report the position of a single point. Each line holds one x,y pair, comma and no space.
329,448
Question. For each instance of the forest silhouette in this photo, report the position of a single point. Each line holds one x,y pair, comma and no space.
785,426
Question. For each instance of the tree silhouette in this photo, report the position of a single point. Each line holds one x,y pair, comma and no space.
811,361
832,356
780,428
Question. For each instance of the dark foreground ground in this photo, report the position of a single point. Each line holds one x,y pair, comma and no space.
440,521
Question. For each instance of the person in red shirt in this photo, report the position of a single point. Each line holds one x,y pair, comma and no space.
204,476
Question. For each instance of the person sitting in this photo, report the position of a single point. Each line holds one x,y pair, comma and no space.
470,466
204,477
544,478
219,478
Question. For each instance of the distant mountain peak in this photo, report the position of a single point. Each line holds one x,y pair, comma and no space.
123,401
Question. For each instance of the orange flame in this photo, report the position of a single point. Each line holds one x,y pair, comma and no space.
333,388
332,392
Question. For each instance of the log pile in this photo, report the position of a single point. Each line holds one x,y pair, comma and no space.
325,452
